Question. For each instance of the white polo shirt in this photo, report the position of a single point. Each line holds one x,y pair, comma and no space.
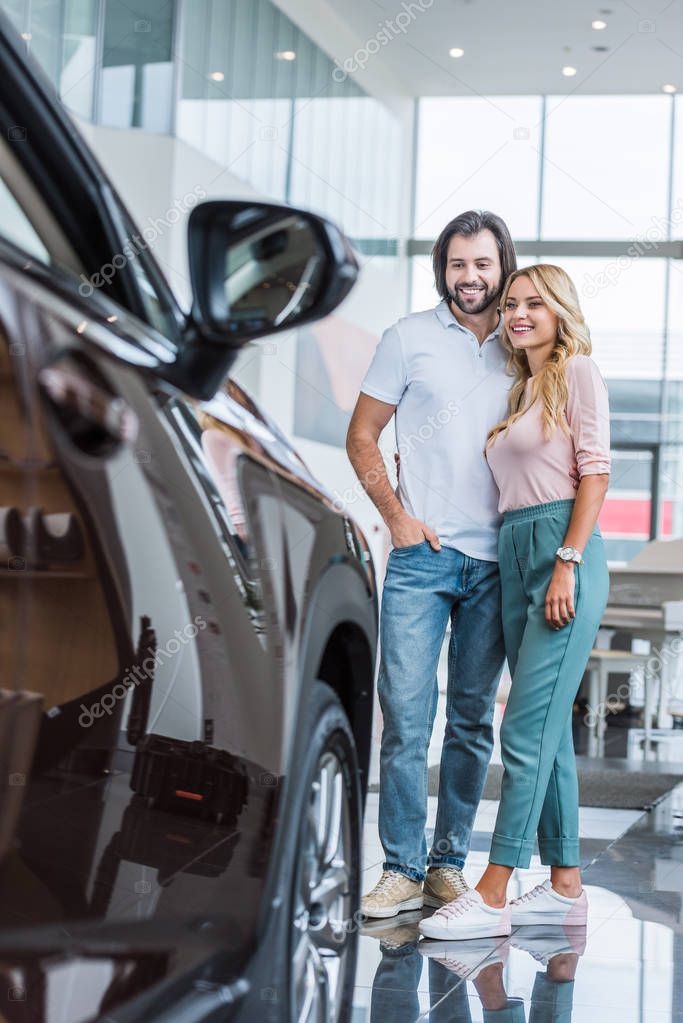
449,391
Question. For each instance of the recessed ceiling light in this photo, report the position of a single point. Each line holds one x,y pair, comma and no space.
26,36
456,52
669,88
598,24
285,54
217,76
568,71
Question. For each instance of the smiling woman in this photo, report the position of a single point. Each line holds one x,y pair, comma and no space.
531,322
544,328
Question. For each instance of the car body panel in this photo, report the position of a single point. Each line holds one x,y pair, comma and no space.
195,623
197,582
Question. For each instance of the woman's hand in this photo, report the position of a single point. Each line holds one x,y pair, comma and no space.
559,600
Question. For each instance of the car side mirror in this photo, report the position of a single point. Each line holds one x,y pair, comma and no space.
258,268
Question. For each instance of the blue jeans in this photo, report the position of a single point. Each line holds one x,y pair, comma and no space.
422,587
394,990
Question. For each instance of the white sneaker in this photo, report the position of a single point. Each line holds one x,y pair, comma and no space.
394,893
467,960
467,917
543,905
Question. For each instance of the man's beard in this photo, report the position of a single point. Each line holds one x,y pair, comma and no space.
487,296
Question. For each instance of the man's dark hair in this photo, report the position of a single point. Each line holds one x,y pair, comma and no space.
468,224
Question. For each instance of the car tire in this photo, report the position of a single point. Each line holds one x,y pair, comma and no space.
324,917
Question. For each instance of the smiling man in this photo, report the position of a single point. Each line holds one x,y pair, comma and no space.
442,373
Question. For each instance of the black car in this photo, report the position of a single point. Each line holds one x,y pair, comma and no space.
188,622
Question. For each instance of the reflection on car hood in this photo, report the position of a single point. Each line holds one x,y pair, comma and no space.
274,443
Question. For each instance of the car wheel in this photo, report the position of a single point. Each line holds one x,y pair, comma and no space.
324,930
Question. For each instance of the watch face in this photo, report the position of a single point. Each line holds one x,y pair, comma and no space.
565,553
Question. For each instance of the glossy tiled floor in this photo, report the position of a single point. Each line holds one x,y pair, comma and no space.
625,967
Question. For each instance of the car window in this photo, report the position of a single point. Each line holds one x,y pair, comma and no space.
17,228
161,310
25,219
27,222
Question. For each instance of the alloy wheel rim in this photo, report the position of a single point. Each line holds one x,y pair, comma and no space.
323,901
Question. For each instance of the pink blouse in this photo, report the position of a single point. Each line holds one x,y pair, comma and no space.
529,469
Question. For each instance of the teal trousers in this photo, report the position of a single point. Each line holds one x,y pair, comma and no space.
539,795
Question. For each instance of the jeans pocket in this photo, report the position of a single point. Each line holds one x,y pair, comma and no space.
410,547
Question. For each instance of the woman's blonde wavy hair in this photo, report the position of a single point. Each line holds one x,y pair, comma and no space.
557,290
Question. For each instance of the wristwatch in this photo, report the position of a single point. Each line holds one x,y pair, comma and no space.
569,554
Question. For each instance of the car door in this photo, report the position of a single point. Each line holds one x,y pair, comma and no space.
152,636
139,641
145,638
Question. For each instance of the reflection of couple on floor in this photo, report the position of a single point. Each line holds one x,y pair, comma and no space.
481,962
502,427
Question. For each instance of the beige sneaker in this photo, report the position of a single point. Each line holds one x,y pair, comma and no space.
393,893
444,884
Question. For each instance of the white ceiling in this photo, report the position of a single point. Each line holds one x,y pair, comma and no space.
518,46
